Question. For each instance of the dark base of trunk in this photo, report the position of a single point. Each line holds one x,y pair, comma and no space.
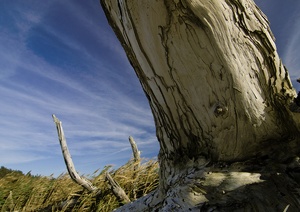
247,186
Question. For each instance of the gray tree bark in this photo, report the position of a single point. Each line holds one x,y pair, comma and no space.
220,98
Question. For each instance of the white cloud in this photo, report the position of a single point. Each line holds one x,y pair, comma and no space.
97,108
291,56
17,157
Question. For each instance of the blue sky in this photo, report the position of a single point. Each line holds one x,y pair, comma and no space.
61,57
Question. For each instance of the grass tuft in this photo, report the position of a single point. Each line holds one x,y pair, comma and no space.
19,192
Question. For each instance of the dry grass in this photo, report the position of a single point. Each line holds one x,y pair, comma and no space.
35,193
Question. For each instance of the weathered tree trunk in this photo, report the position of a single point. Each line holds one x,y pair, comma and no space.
220,98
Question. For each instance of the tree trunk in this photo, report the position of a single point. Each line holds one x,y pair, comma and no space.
220,98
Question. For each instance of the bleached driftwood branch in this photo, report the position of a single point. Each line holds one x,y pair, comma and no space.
137,160
136,152
68,160
116,189
9,203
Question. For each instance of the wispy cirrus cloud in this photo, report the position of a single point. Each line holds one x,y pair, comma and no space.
284,20
291,53
98,99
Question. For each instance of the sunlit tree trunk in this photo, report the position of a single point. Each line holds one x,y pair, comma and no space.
220,98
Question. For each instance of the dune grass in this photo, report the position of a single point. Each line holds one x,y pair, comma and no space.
19,192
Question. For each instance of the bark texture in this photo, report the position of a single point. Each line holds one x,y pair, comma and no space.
220,97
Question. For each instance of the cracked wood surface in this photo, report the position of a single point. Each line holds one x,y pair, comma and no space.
215,84
193,56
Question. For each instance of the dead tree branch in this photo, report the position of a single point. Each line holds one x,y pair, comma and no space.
295,106
68,160
116,189
137,160
136,152
9,203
